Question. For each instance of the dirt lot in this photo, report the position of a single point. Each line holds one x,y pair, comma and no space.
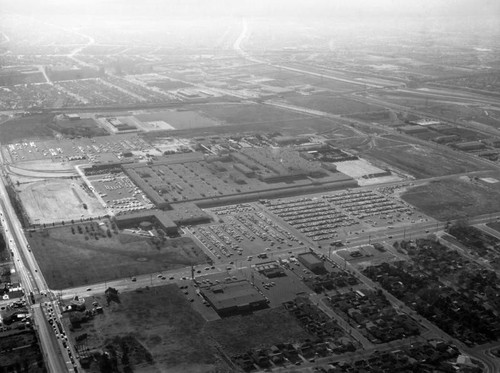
162,328
89,255
454,198
51,201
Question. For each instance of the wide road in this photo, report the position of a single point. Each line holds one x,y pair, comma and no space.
32,281
51,349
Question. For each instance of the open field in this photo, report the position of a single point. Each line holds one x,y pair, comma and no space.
162,331
32,127
495,226
331,104
168,85
51,201
454,198
249,113
177,119
20,352
168,335
86,127
239,334
285,78
92,255
418,161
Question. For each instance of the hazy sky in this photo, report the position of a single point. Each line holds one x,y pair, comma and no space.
285,8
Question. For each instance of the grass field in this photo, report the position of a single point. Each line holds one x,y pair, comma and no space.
417,160
86,127
167,84
248,113
331,104
51,201
69,260
454,198
495,226
33,127
287,78
238,334
161,322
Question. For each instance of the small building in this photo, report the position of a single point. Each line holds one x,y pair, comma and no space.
72,116
311,261
270,269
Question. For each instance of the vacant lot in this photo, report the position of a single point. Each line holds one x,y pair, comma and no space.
249,113
168,85
417,160
179,119
51,201
33,127
161,323
86,254
20,352
238,334
162,331
454,198
284,78
331,104
86,127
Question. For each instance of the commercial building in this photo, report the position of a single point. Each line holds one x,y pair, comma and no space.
311,262
152,216
233,297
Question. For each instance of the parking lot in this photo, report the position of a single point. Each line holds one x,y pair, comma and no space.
338,215
119,193
314,217
91,150
242,232
371,207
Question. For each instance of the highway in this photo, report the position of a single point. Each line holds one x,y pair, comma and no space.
56,356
